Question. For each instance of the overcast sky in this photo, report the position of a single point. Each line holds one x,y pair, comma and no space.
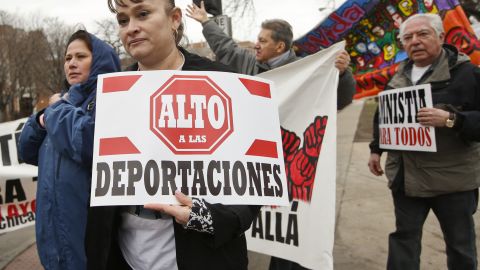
303,18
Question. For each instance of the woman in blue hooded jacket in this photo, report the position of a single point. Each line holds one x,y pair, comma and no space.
59,140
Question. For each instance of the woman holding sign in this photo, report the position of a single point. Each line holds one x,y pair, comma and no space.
59,140
194,234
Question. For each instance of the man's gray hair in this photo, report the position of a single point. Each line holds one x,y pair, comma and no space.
281,31
434,20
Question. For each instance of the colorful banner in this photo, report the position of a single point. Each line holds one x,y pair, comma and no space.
17,181
304,231
371,29
211,135
398,125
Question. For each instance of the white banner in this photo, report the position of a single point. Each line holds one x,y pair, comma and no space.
211,135
397,116
304,231
17,181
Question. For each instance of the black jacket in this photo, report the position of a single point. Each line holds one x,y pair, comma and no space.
455,83
226,249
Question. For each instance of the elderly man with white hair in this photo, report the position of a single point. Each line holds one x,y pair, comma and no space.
445,181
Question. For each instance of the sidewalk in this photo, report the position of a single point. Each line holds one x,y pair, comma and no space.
18,250
364,212
28,259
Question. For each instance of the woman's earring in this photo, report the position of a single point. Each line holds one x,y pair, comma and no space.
175,33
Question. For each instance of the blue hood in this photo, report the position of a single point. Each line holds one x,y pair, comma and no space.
105,60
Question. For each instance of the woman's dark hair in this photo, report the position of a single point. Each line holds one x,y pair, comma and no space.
179,34
83,36
121,3
169,7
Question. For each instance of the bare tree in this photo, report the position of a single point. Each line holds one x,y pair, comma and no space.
242,13
107,30
5,91
14,59
53,43
240,9
31,62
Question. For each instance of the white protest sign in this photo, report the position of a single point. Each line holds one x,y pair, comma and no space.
304,231
211,135
18,182
398,125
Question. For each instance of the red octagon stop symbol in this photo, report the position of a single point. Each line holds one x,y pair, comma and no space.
191,114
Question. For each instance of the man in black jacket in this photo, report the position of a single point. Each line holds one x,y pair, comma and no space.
445,181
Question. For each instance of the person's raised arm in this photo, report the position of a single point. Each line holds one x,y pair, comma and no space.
199,14
225,48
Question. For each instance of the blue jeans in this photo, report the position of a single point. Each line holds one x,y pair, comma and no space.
454,212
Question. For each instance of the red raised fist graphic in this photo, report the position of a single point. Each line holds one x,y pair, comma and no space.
301,163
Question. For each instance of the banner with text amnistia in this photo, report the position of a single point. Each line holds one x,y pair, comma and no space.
211,135
397,117
18,181
303,232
